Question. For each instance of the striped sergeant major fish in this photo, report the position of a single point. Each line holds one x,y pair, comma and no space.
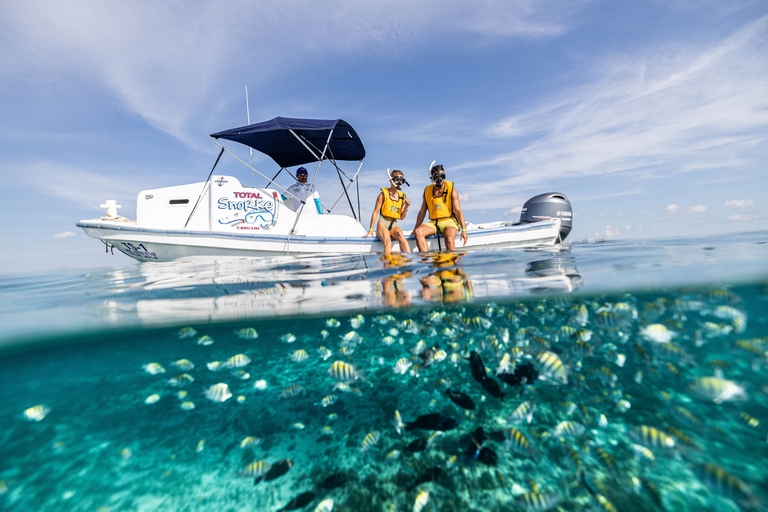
551,367
652,437
343,372
537,501
725,484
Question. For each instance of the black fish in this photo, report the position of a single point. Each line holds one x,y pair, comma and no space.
300,501
333,481
523,374
474,444
478,436
487,456
434,421
472,452
497,435
278,469
428,356
478,368
492,387
429,475
418,445
460,399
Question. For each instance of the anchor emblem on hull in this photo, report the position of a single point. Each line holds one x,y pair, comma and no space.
220,182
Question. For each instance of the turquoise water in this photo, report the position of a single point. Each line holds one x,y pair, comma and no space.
648,393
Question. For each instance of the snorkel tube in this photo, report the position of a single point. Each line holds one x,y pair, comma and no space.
438,182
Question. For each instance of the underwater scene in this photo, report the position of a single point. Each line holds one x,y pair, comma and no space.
450,391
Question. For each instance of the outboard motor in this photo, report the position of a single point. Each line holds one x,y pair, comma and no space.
552,205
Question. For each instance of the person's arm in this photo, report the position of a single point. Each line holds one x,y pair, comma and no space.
459,215
379,201
422,212
404,209
318,204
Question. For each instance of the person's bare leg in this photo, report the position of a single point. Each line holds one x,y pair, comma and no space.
449,235
397,233
383,233
422,232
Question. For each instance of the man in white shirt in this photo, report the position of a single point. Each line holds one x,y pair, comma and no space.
303,191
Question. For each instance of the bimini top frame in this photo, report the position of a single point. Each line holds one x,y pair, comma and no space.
290,142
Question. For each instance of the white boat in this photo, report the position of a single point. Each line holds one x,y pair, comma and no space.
223,217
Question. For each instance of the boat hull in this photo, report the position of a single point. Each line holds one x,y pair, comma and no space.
168,245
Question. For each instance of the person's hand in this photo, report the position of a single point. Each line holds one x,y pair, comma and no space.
464,237
369,233
407,203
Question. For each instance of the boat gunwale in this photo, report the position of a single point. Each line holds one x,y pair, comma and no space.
120,226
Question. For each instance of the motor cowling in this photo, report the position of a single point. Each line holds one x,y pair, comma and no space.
552,205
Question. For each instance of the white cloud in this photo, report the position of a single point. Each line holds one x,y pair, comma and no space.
743,216
739,203
65,234
85,188
167,61
671,107
514,211
671,208
699,208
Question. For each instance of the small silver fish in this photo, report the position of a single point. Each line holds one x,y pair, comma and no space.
371,439
183,364
205,340
186,332
36,413
524,412
218,392
247,333
237,361
153,368
299,355
357,321
292,390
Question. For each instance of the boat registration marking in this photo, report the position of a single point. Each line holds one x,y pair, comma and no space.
138,250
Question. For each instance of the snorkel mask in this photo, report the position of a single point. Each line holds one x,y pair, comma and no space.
437,174
397,181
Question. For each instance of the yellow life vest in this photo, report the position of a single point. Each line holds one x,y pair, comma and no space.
390,208
439,207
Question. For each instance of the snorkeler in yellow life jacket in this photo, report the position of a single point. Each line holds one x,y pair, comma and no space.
440,207
391,209
391,206
442,202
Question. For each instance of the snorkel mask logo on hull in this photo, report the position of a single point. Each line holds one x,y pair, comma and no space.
250,210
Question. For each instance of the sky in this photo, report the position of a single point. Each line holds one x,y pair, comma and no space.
650,116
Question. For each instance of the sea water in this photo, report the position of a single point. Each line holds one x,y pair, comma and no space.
204,385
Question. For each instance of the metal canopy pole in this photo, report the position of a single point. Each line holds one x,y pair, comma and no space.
203,191
276,175
350,182
303,142
251,168
317,169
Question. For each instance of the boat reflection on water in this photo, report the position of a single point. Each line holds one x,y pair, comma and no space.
239,288
449,282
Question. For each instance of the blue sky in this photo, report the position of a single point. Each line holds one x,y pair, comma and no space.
652,117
